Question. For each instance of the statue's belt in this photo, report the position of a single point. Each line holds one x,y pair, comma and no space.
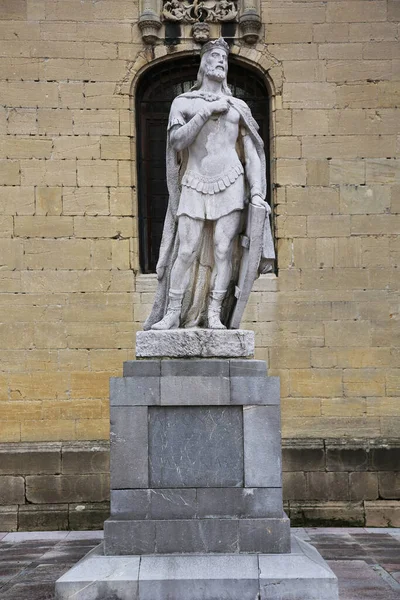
214,184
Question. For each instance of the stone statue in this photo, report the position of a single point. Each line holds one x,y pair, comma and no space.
215,241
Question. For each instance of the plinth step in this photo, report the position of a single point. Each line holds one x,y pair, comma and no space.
301,575
168,536
190,343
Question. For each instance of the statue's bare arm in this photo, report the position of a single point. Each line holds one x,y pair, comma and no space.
253,168
182,136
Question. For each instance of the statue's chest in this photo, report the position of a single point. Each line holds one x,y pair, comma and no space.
229,119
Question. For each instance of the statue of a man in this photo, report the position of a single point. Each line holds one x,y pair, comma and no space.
215,165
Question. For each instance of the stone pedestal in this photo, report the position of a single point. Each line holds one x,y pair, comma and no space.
196,487
195,459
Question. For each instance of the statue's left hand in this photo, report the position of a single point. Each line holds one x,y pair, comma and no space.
259,201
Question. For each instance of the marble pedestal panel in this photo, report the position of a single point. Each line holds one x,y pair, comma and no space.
301,575
195,459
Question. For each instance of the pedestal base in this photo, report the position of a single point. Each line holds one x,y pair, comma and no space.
301,575
125,536
195,343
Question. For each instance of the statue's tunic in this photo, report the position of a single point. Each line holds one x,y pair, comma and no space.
213,182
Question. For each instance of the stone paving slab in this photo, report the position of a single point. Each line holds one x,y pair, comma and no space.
373,576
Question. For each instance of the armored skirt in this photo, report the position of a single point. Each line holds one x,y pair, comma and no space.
212,200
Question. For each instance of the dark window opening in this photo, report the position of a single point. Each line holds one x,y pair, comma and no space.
156,90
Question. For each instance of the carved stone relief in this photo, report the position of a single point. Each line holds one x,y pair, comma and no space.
204,11
206,17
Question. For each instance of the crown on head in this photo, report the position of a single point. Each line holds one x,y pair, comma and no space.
220,43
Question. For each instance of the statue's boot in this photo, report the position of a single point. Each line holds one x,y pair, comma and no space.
214,310
172,317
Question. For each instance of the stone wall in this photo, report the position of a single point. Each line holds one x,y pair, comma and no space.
71,295
53,485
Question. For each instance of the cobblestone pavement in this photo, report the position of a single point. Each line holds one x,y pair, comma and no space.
366,561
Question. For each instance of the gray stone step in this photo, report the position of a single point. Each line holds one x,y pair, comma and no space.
169,536
299,575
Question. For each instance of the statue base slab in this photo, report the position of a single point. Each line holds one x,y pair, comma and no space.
195,343
297,575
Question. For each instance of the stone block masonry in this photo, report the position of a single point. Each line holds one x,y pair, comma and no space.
71,295
63,485
54,485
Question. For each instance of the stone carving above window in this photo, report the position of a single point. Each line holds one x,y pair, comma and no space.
206,18
193,11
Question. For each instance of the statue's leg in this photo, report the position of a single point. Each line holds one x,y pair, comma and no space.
225,232
189,232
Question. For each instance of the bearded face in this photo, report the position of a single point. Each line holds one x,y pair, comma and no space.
216,66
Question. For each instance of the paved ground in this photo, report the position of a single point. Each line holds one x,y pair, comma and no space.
366,561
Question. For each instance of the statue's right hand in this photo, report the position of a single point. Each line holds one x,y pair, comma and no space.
219,106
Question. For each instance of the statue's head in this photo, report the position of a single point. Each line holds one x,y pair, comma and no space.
214,64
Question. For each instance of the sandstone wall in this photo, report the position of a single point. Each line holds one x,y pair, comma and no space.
71,295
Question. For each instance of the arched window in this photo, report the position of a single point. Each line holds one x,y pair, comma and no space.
156,90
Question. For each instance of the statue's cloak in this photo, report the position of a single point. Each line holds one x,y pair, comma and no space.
196,296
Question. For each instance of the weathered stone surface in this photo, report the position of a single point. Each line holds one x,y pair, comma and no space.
135,503
239,502
271,536
385,459
99,576
195,368
30,459
346,459
302,574
197,535
88,515
201,343
129,447
294,486
46,489
195,381
195,447
327,486
173,504
43,517
193,503
154,504
327,514
201,390
142,368
9,518
247,368
199,577
382,514
363,486
262,446
123,536
12,490
293,576
85,457
389,485
255,390
303,455
134,391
